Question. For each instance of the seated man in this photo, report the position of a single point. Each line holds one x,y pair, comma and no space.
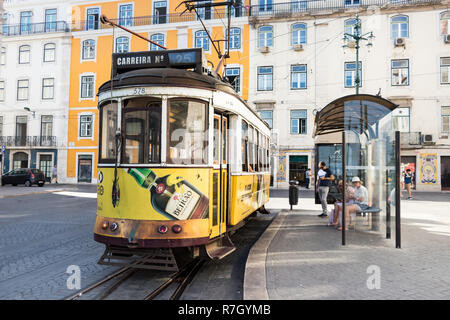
361,197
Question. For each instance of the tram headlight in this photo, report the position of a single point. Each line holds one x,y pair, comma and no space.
105,225
163,229
176,228
114,226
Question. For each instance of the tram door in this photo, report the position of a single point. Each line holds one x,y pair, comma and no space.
220,175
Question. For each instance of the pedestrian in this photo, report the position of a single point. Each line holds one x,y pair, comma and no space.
308,178
325,177
408,181
54,175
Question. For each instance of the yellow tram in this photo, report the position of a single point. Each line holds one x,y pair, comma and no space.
183,160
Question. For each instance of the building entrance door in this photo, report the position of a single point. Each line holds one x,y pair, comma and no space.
409,162
45,165
445,173
84,168
297,168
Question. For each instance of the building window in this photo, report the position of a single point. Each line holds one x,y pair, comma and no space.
5,27
265,5
399,27
21,130
87,86
88,49
50,20
401,119
126,15
49,52
298,121
122,44
445,17
86,126
46,130
350,26
201,40
25,21
22,90
48,88
24,54
237,11
350,74
205,13
2,90
234,77
298,76
160,12
1,126
298,33
92,18
265,78
351,2
267,116
299,5
265,36
3,56
400,72
159,39
235,38
445,119
445,70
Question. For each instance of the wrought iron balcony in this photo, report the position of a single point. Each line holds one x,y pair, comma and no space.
33,28
288,9
28,141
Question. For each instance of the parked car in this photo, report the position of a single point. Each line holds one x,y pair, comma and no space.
25,176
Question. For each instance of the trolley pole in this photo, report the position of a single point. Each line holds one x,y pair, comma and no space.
357,37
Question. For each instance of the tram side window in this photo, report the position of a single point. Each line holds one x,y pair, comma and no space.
216,141
188,134
142,130
244,146
267,154
108,133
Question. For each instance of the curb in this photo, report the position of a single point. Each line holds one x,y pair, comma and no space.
33,193
255,285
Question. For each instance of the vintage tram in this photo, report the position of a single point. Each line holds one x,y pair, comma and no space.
183,160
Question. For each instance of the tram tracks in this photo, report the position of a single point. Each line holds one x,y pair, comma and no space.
183,277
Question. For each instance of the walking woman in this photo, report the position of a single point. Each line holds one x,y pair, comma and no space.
408,182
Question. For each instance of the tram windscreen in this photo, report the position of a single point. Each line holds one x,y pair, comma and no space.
142,130
187,132
109,127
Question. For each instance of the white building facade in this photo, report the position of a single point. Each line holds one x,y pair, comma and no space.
298,65
34,84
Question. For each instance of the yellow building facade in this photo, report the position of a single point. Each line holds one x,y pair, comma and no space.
93,44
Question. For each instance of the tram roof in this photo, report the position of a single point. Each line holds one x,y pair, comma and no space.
341,114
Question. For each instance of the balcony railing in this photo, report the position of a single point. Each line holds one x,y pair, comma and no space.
282,10
28,141
86,25
33,28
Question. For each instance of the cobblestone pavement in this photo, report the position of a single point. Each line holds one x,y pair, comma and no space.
306,260
40,236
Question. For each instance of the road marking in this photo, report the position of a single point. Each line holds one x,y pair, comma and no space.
77,194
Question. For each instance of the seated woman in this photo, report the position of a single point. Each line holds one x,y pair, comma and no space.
361,197
338,204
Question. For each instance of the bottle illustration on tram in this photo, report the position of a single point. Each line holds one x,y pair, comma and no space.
171,195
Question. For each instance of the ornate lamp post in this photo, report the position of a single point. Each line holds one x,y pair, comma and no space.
357,37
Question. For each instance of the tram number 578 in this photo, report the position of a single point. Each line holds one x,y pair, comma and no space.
139,91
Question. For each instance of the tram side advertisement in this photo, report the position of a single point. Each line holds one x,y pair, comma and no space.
154,194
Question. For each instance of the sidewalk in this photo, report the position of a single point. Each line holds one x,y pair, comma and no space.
20,190
299,257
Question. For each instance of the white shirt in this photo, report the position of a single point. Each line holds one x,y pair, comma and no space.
362,192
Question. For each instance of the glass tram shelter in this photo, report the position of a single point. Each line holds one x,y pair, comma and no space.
354,136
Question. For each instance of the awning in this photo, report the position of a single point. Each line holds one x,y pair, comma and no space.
352,113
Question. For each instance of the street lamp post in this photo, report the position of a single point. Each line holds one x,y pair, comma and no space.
357,37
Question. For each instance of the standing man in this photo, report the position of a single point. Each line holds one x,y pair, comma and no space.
308,177
324,178
54,175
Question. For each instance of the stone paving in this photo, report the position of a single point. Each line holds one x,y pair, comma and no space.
305,258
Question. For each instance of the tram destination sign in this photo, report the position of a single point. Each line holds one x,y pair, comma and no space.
179,59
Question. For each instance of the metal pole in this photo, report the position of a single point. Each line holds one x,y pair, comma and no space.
344,185
397,191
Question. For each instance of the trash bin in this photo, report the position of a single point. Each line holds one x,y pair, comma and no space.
293,195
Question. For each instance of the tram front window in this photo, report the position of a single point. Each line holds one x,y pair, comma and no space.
187,132
109,127
142,130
